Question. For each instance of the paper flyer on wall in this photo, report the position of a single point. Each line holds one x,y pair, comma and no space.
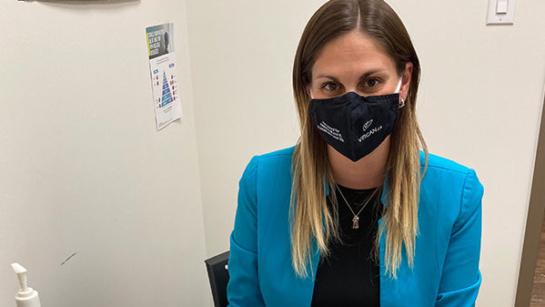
164,79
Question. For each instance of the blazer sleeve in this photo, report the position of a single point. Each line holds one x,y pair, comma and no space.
243,287
461,277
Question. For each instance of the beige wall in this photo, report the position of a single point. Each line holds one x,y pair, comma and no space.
480,104
82,168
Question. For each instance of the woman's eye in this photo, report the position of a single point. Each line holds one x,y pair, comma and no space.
372,83
330,86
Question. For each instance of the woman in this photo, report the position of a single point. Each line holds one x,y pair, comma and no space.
355,214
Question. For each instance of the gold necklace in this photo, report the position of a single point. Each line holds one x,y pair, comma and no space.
356,218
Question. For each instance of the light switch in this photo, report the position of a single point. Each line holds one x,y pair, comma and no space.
501,7
501,12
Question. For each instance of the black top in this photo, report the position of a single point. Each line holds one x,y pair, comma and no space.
349,276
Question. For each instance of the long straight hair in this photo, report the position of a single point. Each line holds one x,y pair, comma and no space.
312,222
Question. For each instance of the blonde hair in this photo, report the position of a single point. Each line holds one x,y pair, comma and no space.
312,222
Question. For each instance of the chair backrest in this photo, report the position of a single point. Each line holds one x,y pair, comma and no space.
219,277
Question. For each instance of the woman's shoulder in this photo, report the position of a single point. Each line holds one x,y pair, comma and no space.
278,159
445,168
451,182
270,164
268,177
447,171
442,164
280,154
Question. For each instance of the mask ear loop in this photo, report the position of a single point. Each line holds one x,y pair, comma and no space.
397,92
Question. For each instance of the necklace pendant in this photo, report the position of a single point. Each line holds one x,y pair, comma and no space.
355,222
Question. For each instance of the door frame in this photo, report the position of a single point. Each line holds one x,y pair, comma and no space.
534,221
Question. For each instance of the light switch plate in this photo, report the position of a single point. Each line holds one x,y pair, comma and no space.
501,19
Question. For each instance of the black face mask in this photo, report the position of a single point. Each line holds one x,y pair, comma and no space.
355,125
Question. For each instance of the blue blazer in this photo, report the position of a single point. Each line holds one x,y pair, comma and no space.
446,264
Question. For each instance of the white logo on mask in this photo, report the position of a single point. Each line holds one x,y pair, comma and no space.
367,125
369,133
333,132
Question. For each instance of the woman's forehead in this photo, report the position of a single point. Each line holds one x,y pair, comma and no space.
354,52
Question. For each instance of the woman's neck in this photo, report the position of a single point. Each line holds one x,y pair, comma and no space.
366,173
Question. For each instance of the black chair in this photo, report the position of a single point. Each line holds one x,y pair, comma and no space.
219,277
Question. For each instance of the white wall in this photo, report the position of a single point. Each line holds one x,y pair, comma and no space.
82,168
241,57
480,104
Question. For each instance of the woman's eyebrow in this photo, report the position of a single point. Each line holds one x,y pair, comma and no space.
365,75
369,73
328,77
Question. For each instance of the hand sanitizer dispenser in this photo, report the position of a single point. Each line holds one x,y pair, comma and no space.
26,297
